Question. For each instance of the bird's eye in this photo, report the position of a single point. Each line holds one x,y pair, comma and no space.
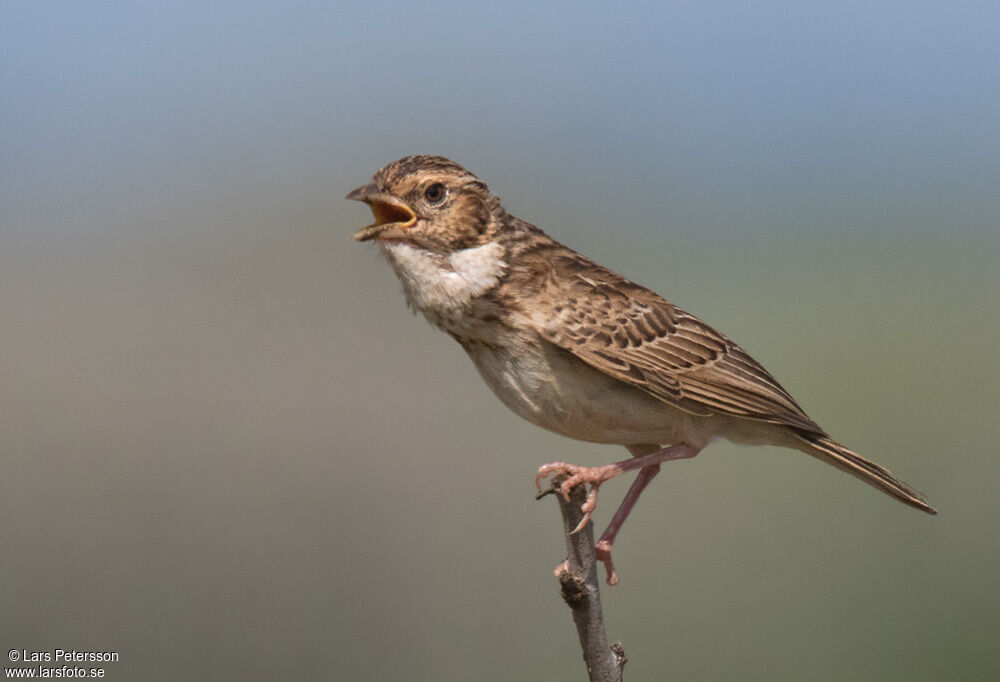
434,194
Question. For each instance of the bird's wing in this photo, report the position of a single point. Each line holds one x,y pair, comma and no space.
636,336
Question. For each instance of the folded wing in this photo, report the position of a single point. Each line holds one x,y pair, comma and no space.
636,336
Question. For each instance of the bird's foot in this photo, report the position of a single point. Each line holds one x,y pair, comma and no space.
646,459
577,475
603,552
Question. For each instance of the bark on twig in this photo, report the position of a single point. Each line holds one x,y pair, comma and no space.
578,584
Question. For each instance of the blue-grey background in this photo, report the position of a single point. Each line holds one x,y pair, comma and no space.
228,452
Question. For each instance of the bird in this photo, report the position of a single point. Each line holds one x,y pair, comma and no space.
578,349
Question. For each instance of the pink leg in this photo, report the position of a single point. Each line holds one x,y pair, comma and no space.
649,466
595,476
646,474
603,549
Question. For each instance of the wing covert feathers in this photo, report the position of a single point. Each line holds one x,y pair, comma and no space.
636,336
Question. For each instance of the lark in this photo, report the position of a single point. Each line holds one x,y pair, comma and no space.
576,348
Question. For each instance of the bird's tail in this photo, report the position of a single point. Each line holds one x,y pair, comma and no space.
825,448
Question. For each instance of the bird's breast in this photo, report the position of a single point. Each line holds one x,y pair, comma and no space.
555,390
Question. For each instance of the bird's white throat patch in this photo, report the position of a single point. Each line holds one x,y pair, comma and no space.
444,286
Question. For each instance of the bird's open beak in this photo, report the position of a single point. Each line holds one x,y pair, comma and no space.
392,215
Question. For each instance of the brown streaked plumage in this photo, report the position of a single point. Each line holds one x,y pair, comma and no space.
576,348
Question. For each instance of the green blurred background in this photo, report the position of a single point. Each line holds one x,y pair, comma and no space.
229,452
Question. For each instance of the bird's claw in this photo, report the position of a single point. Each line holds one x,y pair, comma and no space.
556,468
587,507
575,475
602,550
578,475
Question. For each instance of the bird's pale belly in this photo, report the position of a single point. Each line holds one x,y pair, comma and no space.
553,389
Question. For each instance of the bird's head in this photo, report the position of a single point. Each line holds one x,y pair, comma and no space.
431,202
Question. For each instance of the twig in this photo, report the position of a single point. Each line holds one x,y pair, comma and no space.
577,578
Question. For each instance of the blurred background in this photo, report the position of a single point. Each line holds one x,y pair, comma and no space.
229,452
